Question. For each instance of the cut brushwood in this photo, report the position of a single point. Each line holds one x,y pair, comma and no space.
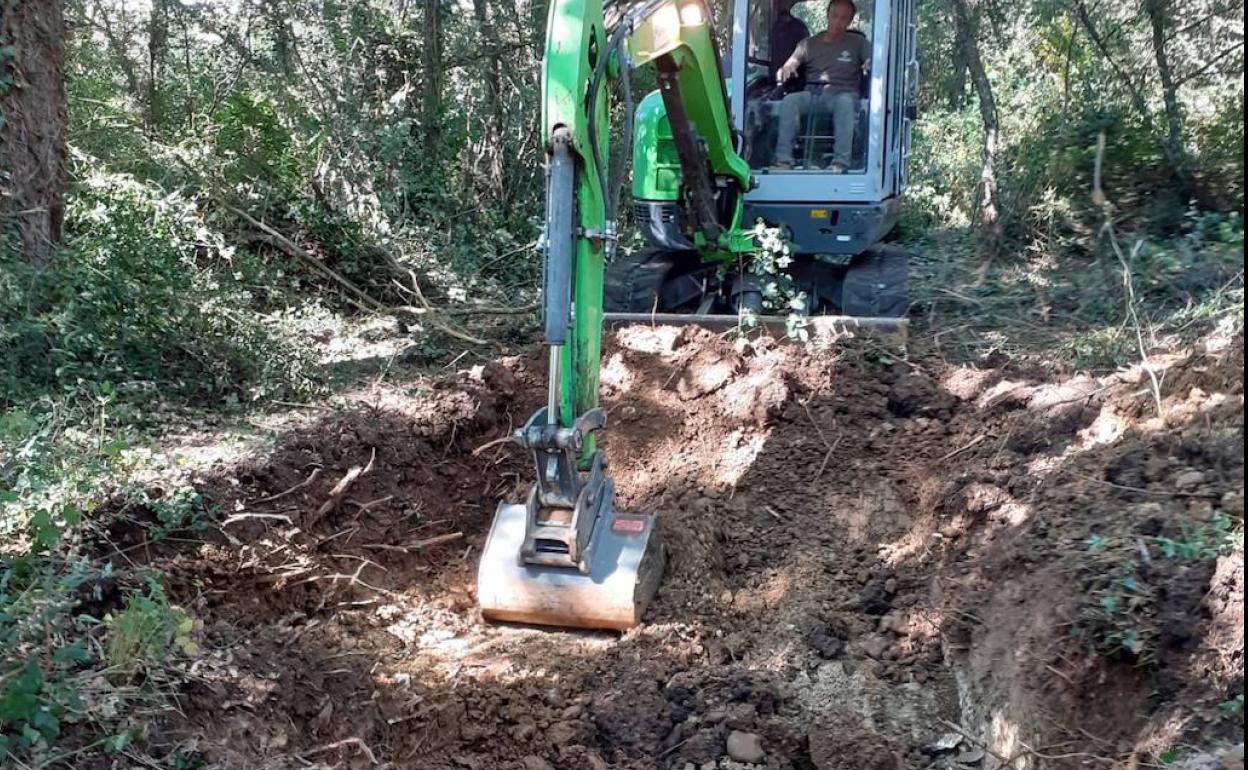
427,311
292,248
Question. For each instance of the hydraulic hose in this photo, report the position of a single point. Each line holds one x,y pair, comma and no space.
614,44
626,86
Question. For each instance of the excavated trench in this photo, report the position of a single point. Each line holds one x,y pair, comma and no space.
873,563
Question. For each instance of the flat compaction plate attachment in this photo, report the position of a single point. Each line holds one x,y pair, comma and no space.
587,566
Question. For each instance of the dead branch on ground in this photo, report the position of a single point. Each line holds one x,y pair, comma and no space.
365,507
301,485
341,488
418,545
427,311
356,742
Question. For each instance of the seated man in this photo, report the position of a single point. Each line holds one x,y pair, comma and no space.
834,61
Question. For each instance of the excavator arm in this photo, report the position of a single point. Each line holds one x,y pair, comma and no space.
566,556
583,54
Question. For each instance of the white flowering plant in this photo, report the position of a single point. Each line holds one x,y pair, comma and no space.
769,264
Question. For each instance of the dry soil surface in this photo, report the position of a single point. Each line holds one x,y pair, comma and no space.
875,562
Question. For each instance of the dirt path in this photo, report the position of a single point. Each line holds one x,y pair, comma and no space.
866,556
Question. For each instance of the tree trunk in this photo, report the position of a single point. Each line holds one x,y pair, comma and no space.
1172,143
157,43
494,102
188,95
32,126
957,79
1175,155
432,109
990,217
537,22
1067,63
277,16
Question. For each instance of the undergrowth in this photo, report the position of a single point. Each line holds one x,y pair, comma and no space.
1125,578
88,652
1065,294
144,296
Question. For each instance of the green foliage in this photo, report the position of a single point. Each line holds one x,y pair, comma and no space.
944,170
43,645
1101,349
59,659
1218,145
51,470
1232,709
321,128
1119,612
1065,292
1056,90
56,659
145,296
1203,541
176,509
146,630
59,460
255,149
1118,617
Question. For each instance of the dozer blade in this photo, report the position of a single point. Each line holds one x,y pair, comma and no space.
625,562
821,328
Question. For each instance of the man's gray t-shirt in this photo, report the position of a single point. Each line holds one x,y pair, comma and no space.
838,65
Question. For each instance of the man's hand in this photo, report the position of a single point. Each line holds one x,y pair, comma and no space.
787,71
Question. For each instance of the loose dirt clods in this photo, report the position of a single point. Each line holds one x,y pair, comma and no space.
873,564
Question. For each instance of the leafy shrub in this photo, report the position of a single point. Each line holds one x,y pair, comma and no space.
53,655
944,171
1219,150
1233,709
179,508
144,296
51,472
256,149
147,629
42,643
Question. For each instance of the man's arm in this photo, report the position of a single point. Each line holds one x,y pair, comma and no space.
794,63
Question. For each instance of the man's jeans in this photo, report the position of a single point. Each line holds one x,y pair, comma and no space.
844,108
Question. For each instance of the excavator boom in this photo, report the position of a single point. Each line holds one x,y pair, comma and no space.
566,556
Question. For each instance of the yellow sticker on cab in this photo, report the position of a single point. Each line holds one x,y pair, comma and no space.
818,213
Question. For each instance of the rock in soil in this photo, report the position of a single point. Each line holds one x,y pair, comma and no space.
745,747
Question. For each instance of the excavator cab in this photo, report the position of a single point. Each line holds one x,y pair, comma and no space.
835,215
825,212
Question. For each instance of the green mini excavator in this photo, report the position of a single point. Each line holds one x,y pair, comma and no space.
704,172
